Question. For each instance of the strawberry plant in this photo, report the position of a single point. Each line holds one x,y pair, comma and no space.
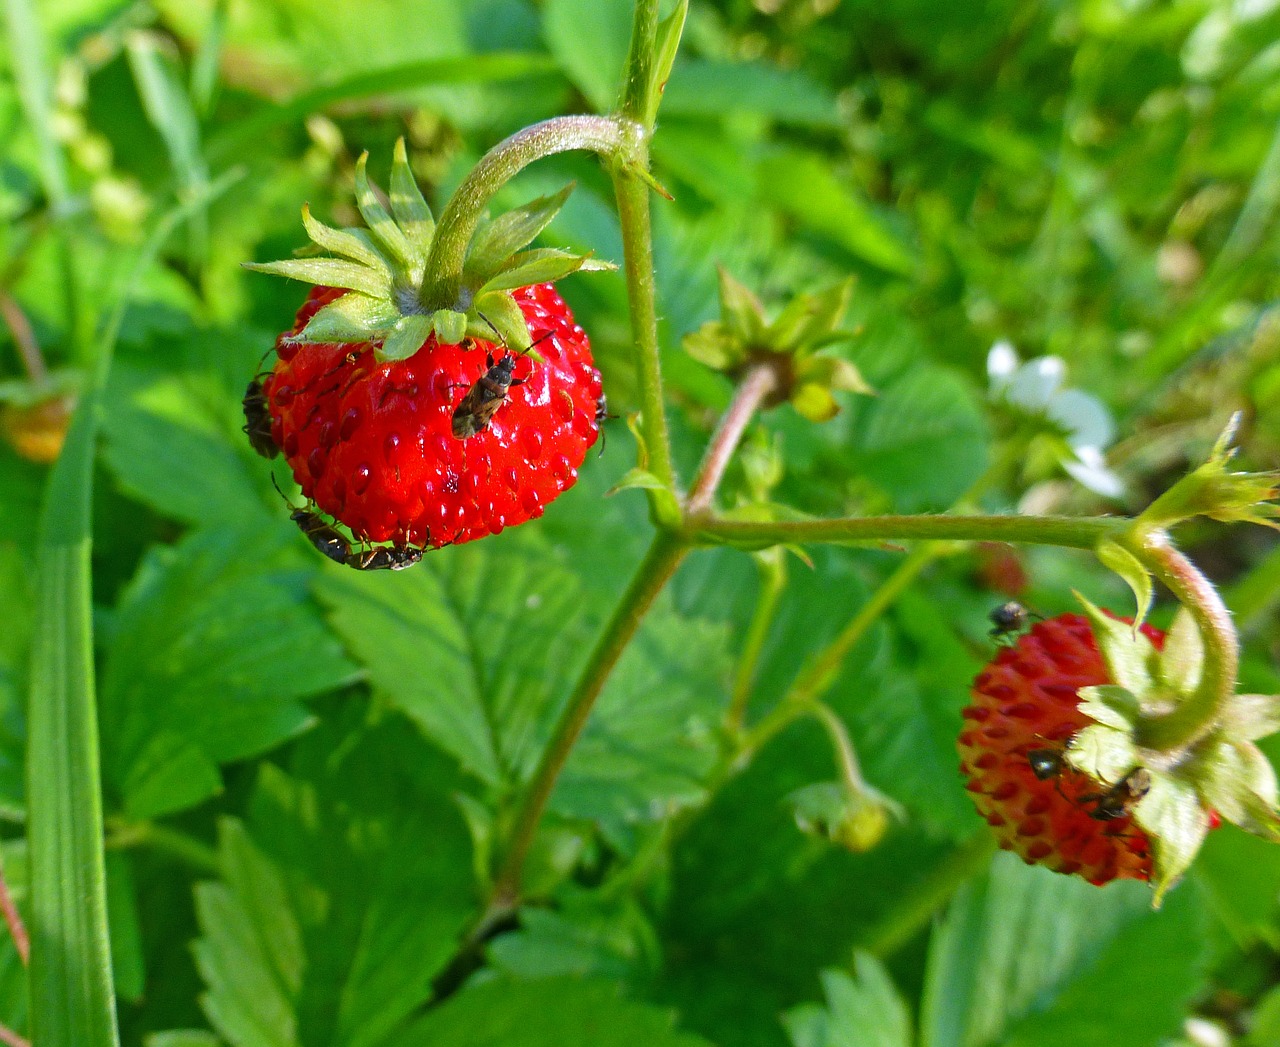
355,692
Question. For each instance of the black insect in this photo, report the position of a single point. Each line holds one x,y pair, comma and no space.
384,558
257,420
1009,621
1119,800
1045,763
483,399
323,535
602,416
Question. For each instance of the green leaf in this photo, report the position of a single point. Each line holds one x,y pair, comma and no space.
718,89
496,241
804,186
342,897
670,29
1028,956
330,272
582,938
182,1038
863,1011
215,645
552,1012
1116,557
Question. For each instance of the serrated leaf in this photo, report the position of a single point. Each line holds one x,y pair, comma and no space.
329,272
215,645
583,937
409,207
1117,558
354,244
1103,753
1182,658
540,266
354,317
1173,816
1249,717
551,1012
379,221
496,241
407,336
863,1011
1129,655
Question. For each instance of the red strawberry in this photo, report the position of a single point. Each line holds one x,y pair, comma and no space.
1025,710
372,443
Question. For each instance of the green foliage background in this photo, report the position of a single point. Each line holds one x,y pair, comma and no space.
305,768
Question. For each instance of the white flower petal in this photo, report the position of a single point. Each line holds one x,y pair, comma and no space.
1002,362
1084,417
1090,470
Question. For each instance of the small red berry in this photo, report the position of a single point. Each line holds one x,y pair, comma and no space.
1025,710
373,443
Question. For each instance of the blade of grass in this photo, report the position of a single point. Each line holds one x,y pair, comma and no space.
72,997
204,67
410,76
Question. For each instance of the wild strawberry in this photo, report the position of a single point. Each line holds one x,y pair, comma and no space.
1026,708
426,407
372,443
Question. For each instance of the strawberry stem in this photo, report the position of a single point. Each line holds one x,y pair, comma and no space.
760,380
1193,717
614,139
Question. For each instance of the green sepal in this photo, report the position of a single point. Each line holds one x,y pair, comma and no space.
1117,558
406,337
636,479
668,43
409,206
498,312
1110,705
1103,753
712,345
497,240
1214,492
1238,782
809,317
1174,818
355,244
379,220
450,326
814,402
1249,717
1129,655
329,272
1182,659
741,312
835,372
542,265
354,317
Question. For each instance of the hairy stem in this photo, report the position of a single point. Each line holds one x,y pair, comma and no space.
1196,593
11,1038
773,581
653,574
13,920
759,381
1067,531
614,139
637,245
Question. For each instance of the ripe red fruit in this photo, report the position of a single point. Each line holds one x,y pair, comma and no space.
1025,710
372,443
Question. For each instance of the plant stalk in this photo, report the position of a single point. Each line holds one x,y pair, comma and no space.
773,582
759,381
614,139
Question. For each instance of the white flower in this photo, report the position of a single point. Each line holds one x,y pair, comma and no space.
1083,421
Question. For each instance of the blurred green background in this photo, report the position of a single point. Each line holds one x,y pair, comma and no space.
305,767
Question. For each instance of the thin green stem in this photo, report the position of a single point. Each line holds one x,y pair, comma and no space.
773,582
913,911
653,574
759,381
616,140
841,745
640,60
821,672
637,246
164,840
1069,531
1191,718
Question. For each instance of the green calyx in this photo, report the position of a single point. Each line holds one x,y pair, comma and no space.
384,269
744,336
1222,771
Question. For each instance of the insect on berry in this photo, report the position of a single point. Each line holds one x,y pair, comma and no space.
257,420
1009,621
384,558
489,392
1119,800
1045,763
602,416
